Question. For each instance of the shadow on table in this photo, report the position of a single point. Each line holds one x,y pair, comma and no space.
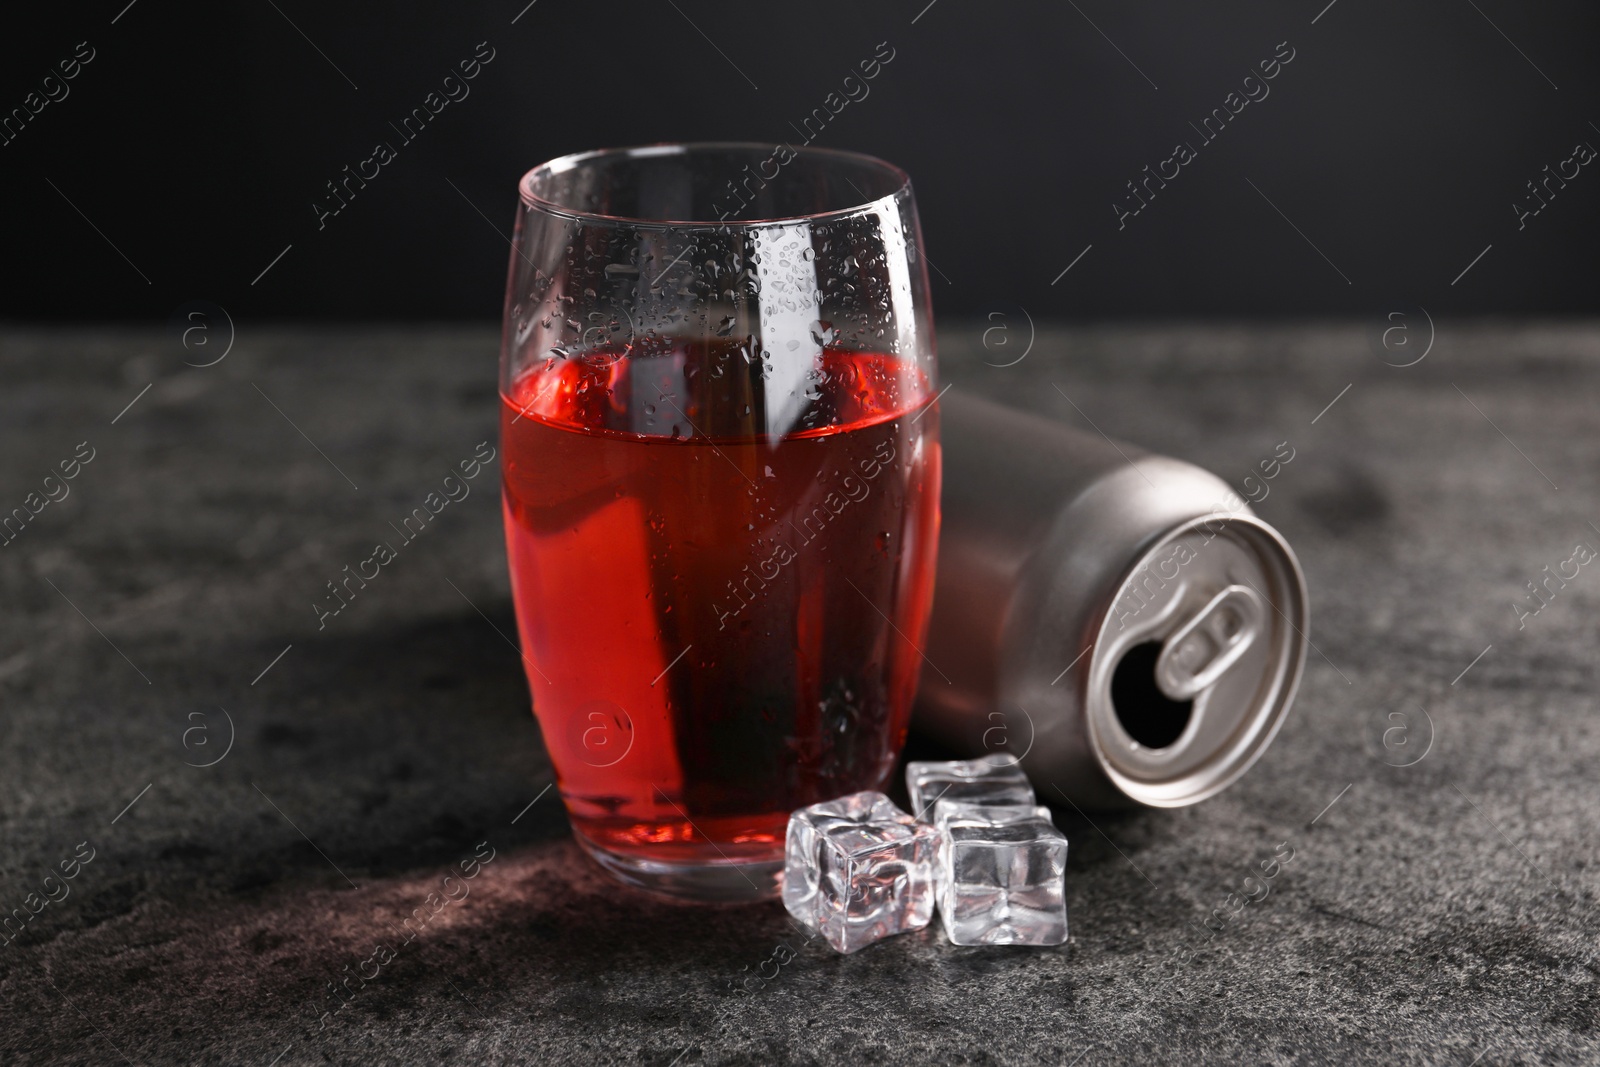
387,751
374,769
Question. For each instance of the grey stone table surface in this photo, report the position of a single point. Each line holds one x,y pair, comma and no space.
1442,912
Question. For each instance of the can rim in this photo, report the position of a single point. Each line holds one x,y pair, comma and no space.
1282,569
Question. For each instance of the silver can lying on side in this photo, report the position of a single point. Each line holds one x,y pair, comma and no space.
1134,629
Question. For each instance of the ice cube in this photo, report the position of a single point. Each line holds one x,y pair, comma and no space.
859,869
1001,875
994,779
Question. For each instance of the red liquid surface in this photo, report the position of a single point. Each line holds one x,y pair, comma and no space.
720,624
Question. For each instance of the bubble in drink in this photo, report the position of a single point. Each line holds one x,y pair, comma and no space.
717,630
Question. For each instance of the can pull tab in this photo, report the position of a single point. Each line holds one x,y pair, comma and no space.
1207,645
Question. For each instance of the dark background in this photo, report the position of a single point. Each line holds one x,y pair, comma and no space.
1397,141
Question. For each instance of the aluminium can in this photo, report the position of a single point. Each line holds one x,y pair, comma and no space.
1121,621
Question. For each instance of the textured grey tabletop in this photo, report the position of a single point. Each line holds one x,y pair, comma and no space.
1441,913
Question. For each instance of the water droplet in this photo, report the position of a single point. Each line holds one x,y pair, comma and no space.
725,327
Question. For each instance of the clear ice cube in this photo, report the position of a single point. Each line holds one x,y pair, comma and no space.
1001,875
993,779
859,869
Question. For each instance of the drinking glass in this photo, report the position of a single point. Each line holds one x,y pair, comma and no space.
721,492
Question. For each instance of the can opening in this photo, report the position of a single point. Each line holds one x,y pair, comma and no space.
1196,658
1145,712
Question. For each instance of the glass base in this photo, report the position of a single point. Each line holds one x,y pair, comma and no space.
728,882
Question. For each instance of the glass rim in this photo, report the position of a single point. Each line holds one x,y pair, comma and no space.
573,160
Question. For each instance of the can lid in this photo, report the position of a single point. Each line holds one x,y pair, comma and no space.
1197,659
